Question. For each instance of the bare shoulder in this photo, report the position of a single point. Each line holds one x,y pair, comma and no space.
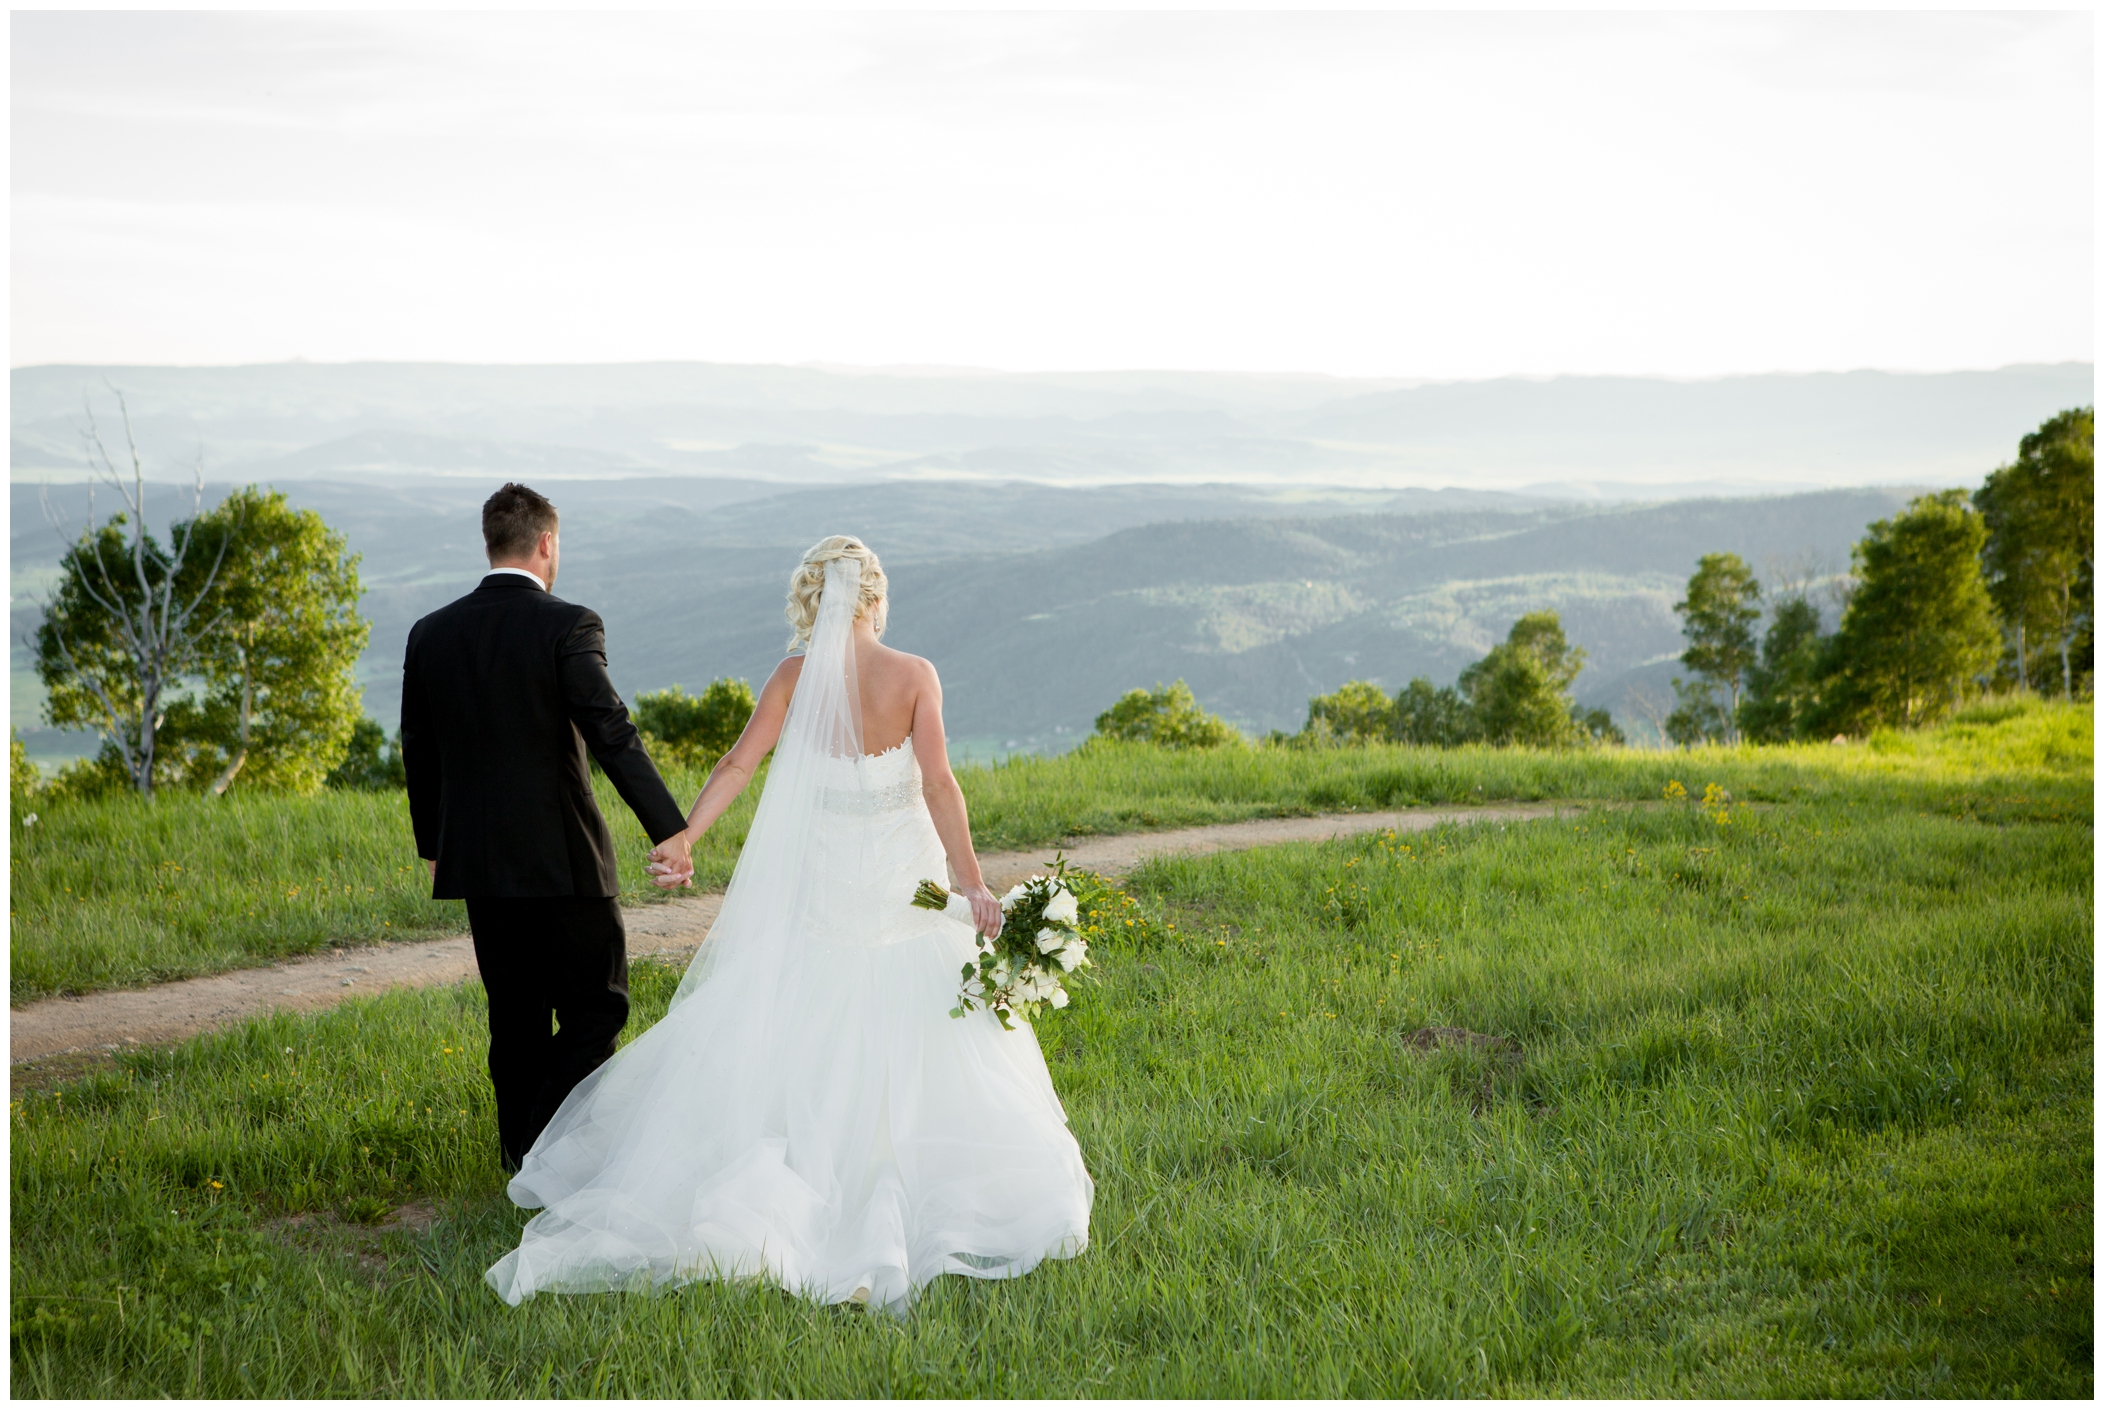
917,674
918,668
788,672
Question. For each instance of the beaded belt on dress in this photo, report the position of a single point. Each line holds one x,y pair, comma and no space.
866,802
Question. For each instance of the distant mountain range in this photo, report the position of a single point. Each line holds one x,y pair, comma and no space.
1056,539
1569,437
1042,604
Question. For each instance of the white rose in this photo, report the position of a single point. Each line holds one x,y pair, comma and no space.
1001,975
1063,908
1074,956
1049,940
1015,893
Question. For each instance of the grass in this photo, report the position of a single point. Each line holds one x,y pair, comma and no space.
116,893
1801,1106
119,894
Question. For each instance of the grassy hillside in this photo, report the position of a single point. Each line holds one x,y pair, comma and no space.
202,886
1792,1101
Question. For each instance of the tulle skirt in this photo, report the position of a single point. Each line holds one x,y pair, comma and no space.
813,1117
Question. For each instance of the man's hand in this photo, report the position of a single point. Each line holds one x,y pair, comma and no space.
431,863
986,911
672,862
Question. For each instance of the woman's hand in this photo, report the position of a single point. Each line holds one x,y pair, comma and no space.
671,862
986,911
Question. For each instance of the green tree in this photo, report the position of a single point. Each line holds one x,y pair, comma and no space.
1718,617
1697,716
1424,715
1919,625
2040,514
1598,725
279,697
125,621
1359,712
1520,692
695,730
1167,715
1782,688
371,762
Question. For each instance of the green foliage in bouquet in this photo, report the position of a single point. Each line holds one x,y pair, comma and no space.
1040,944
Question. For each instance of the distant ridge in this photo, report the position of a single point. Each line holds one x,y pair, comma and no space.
1582,437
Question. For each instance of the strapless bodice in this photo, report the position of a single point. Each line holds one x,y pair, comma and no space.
870,784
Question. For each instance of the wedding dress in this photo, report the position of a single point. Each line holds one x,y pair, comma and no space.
808,1111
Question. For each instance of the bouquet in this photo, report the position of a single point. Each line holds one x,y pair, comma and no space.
1040,943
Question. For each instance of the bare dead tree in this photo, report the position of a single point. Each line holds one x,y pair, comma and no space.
152,622
1804,575
1649,706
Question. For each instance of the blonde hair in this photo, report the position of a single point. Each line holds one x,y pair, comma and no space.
808,583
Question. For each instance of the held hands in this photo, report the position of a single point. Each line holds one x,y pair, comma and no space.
672,862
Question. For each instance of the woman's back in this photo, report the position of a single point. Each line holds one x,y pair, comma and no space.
890,683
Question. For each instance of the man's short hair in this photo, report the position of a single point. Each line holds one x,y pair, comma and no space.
513,520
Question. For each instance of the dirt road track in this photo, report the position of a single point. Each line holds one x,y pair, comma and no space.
168,1013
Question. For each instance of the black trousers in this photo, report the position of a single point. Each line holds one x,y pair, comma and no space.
543,958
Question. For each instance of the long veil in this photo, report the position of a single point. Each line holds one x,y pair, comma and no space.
772,894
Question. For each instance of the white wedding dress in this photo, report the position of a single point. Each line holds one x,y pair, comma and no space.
808,1111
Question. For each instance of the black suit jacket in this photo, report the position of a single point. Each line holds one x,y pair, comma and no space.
502,693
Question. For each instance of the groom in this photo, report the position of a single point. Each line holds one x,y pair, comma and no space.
503,692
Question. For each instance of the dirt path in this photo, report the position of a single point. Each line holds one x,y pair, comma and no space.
167,1013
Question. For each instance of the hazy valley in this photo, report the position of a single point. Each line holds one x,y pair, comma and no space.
1054,539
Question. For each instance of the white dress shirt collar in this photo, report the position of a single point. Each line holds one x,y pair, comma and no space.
534,578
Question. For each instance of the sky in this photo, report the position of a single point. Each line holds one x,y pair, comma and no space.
1396,195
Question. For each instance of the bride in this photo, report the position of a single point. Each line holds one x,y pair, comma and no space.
807,1111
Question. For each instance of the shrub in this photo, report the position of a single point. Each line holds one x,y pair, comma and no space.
1424,715
693,731
1166,715
371,761
85,780
22,776
1360,712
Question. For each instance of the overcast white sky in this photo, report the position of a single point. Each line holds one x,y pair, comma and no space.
1386,194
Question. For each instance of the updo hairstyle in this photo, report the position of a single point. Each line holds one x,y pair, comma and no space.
807,584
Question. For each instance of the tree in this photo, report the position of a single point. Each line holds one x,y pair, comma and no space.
1166,715
2040,514
279,698
1782,688
1697,718
1424,715
1360,712
1718,617
126,619
1919,625
1520,692
1598,725
695,730
371,762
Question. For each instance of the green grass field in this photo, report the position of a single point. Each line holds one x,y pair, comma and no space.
118,894
1801,1105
